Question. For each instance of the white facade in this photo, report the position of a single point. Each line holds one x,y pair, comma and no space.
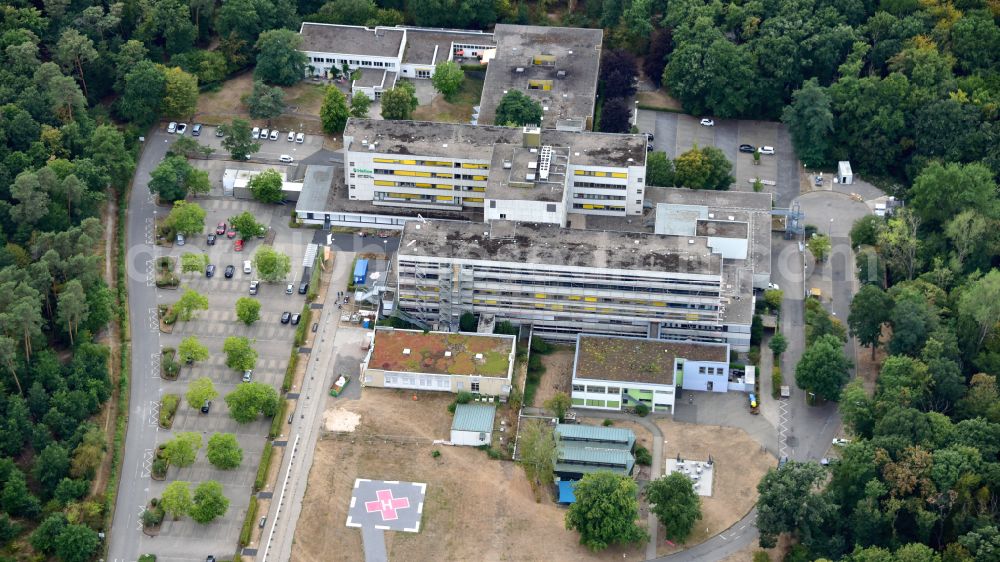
415,182
471,438
526,211
844,172
614,395
708,376
606,190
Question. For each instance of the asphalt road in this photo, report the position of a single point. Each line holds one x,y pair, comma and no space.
145,381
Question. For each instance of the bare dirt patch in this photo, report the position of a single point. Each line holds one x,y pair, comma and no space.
558,374
643,438
227,99
305,98
476,508
459,110
658,98
740,463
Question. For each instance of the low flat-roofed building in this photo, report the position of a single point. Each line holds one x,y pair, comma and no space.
473,424
236,182
555,66
582,449
562,282
615,373
440,361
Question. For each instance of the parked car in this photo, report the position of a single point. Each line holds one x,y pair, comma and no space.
211,240
230,271
238,247
264,133
253,287
838,441
766,149
295,319
246,266
210,270
182,128
221,228
172,127
773,287
255,133
218,132
289,289
286,159
206,406
262,521
231,233
303,287
300,138
274,134
286,317
248,375
747,148
649,147
291,136
707,123
196,130
180,239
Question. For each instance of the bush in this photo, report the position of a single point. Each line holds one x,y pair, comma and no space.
159,467
505,327
761,556
293,360
170,317
435,453
278,420
301,330
643,456
642,410
608,423
168,407
263,468
755,355
539,345
467,322
247,529
147,558
776,382
535,364
464,397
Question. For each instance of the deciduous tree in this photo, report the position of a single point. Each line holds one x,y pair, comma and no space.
143,92
246,225
182,450
559,404
265,102
224,451
247,310
200,391
191,350
819,246
359,105
77,543
180,96
618,76
538,453
209,503
942,191
659,170
279,60
616,116
189,303
399,102
334,112
271,264
176,499
266,187
810,122
790,502
823,369
448,78
239,139
605,511
517,109
660,46
251,399
187,218
676,505
870,309
240,356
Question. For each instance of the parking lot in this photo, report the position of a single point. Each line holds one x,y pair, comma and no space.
273,342
269,149
676,133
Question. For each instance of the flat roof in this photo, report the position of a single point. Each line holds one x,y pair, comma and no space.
573,68
421,43
351,39
638,359
511,168
475,142
549,244
721,228
414,351
315,187
474,417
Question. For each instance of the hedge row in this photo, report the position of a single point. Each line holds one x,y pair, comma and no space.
247,529
279,419
262,470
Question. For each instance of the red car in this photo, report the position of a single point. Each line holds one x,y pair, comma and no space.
221,229
231,233
239,246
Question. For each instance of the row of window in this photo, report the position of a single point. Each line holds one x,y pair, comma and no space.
597,389
353,63
592,185
600,174
598,196
431,163
711,371
590,207
547,296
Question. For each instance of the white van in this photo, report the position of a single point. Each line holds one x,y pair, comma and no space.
246,266
255,132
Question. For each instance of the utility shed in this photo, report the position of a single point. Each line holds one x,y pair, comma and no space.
360,272
473,424
844,173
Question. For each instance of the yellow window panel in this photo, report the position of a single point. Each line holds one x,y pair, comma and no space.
444,198
556,307
402,173
409,162
691,316
385,161
590,308
539,295
385,183
443,186
422,174
659,304
579,173
491,302
474,199
619,175
479,178
539,305
476,166
479,189
448,176
588,206
590,299
422,184
573,298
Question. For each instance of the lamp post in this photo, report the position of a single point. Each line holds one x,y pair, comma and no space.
635,115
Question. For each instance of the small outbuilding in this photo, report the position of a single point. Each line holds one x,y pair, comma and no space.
473,424
844,173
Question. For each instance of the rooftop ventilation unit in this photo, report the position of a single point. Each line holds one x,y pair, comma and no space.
711,215
530,177
447,354
406,351
519,69
479,356
544,163
732,218
532,165
690,240
507,164
561,73
364,142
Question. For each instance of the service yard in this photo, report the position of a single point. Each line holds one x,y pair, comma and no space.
476,508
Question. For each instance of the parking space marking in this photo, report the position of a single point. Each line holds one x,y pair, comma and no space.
147,463
154,365
154,413
154,320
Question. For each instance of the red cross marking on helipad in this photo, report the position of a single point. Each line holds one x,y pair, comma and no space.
387,505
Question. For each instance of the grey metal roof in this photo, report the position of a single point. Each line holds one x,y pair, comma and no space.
574,458
315,189
595,433
474,417
351,40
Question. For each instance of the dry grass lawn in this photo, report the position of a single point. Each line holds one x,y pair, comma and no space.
303,99
458,110
658,98
740,463
476,508
558,374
